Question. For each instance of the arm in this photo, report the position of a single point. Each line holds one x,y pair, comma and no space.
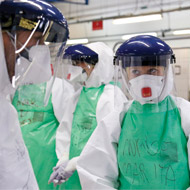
97,164
65,167
184,109
63,134
15,166
62,91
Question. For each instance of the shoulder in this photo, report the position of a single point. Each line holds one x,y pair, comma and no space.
111,99
8,117
7,107
182,104
184,109
60,85
115,92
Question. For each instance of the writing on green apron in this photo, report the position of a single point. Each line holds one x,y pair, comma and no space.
152,149
84,123
38,126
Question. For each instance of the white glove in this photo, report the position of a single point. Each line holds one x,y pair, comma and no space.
63,172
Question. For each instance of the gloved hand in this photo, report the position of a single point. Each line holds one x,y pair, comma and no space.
63,171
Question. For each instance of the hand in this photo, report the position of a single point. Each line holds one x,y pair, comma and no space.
62,172
55,177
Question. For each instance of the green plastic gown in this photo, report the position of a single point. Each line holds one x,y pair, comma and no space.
38,125
84,123
152,150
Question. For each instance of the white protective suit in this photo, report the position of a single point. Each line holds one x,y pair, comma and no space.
15,168
61,93
97,166
61,89
38,134
101,74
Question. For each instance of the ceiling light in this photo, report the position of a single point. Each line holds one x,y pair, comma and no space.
126,37
77,41
180,32
137,19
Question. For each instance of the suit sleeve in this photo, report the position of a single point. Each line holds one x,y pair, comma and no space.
97,164
184,109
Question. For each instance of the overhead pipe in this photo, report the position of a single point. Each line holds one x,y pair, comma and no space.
125,16
120,7
71,2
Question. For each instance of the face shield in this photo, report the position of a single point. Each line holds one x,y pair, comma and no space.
5,85
151,128
33,48
76,72
145,79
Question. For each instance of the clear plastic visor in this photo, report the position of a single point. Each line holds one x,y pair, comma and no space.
75,72
32,61
145,82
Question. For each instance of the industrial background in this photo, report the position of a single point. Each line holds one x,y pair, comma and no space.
113,21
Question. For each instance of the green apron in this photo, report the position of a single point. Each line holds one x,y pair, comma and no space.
152,150
84,123
38,125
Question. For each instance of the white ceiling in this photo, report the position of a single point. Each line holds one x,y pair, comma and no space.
102,9
176,15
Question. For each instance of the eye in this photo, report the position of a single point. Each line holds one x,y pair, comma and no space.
74,63
153,71
135,72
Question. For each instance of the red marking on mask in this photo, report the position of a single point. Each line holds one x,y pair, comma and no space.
146,92
69,76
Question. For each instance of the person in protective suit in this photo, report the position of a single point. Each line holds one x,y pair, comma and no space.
89,68
15,165
30,26
146,142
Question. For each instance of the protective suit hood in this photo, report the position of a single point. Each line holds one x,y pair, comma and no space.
169,83
5,84
104,70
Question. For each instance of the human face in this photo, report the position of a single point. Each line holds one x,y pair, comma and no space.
22,37
133,72
9,48
87,67
9,54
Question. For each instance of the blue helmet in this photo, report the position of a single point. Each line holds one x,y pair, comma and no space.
144,50
24,15
80,52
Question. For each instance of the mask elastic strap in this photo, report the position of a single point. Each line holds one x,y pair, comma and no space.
14,44
34,30
11,38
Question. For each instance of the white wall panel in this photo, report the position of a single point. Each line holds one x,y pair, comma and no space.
111,34
182,80
180,19
170,21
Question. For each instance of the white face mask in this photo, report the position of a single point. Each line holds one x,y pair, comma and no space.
76,75
146,88
37,69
